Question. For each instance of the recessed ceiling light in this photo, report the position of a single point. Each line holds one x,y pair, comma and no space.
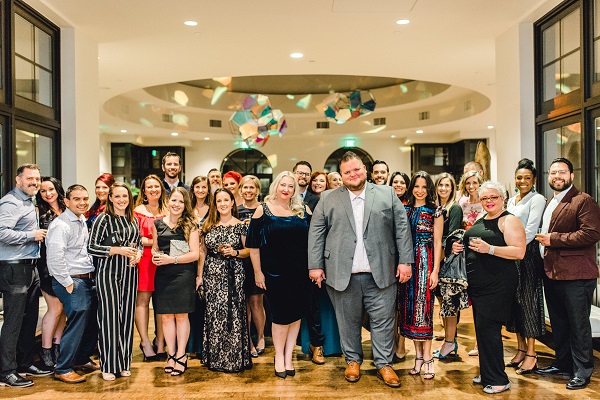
419,131
393,136
296,55
403,22
174,134
123,130
191,23
490,126
206,138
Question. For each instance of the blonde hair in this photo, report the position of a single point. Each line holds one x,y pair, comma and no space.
465,177
296,204
254,180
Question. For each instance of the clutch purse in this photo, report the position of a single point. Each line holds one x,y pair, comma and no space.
112,240
179,248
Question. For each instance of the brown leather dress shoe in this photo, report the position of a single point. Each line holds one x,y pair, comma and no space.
317,354
70,377
89,366
352,373
388,376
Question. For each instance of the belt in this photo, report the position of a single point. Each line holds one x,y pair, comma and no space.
31,261
89,275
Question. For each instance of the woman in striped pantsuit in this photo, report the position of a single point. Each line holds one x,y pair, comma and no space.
115,242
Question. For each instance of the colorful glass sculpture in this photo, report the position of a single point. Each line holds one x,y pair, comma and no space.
257,121
340,108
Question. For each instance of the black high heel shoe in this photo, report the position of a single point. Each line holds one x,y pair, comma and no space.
168,368
522,371
290,372
281,374
515,364
177,372
149,358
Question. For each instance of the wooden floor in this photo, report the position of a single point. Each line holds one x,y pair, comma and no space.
452,380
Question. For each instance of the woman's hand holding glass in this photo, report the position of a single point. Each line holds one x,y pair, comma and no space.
227,250
159,257
478,245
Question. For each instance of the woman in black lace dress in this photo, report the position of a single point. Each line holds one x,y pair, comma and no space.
226,345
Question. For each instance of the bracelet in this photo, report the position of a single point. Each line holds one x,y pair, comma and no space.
176,260
491,250
237,253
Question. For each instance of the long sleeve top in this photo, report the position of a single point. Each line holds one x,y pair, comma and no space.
66,248
18,220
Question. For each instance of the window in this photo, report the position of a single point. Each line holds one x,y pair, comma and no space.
250,162
36,149
561,56
333,161
563,141
33,62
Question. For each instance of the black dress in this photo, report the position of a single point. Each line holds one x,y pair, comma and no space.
42,266
492,286
249,284
174,284
226,345
283,244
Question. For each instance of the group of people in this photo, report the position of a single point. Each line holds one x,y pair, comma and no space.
325,254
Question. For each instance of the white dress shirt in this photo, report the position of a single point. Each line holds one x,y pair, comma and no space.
360,262
548,213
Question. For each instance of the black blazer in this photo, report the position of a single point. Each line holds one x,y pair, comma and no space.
311,200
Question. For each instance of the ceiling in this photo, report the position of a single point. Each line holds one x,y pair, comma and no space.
146,53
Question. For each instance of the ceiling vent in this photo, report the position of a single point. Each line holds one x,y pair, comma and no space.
378,121
167,118
323,125
468,105
423,115
214,123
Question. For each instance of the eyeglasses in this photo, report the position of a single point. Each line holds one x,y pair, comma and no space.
558,172
306,174
488,199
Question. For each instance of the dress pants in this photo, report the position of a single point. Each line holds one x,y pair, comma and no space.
20,287
363,292
117,291
81,332
313,318
569,305
491,351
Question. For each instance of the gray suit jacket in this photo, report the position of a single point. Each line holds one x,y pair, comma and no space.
386,233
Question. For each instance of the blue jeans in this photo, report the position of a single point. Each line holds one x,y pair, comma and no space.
81,332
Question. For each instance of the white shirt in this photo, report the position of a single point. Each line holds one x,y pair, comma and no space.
529,210
548,213
360,262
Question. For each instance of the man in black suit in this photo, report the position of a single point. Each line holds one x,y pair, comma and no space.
171,165
302,170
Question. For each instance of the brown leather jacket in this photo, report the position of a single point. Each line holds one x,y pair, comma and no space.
574,231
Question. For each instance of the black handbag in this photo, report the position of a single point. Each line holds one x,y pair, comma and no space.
454,268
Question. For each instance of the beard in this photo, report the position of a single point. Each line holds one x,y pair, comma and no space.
356,187
559,188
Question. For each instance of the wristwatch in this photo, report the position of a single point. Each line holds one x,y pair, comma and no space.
176,260
237,253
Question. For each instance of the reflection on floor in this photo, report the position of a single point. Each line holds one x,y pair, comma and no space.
453,379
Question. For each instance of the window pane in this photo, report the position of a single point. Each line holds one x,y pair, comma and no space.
551,81
570,73
596,18
23,37
25,147
551,43
43,49
44,87
563,142
597,60
44,152
24,78
571,32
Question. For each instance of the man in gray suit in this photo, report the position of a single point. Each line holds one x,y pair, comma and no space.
359,243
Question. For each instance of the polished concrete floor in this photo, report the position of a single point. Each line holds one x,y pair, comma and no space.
452,380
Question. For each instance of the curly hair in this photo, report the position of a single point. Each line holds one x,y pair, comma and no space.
296,204
43,206
187,221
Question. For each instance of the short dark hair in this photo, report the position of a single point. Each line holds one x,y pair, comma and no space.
349,155
380,162
27,166
170,154
564,161
306,163
72,188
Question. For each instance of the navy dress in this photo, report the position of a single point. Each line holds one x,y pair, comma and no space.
283,244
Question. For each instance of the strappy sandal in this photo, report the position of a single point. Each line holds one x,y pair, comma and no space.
416,371
515,364
522,371
428,375
168,368
177,372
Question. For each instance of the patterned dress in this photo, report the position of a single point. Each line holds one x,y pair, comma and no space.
226,345
415,298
